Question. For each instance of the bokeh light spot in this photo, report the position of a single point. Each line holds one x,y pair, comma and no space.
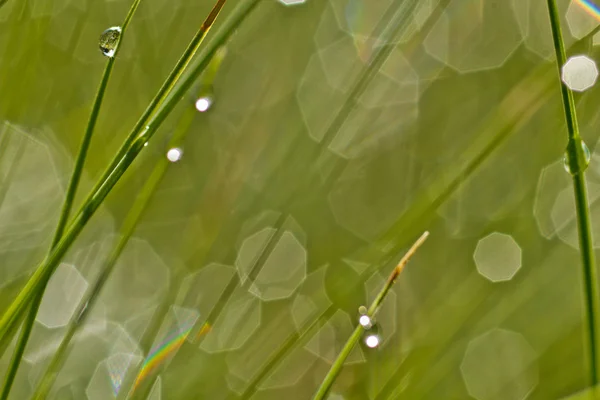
499,365
497,257
61,298
579,73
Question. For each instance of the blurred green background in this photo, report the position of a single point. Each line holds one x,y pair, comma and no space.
297,193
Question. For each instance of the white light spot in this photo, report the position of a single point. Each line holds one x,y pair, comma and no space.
203,104
291,2
365,321
579,73
174,154
372,341
497,257
146,144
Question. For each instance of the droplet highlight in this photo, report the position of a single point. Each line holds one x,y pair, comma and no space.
174,154
576,146
372,341
365,321
203,103
109,40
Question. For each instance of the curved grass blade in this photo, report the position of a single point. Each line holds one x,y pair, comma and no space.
577,166
239,14
337,365
131,221
532,84
162,93
66,207
392,29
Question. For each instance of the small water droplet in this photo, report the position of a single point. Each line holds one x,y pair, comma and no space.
362,310
109,40
365,321
576,146
203,103
372,341
174,154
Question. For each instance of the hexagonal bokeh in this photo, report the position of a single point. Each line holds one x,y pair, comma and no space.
534,24
311,299
61,298
137,283
371,193
497,257
579,73
554,207
329,340
564,215
283,270
580,20
238,321
109,375
31,193
553,179
93,342
499,365
462,36
202,289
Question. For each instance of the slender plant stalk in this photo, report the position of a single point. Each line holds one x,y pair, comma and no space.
392,30
66,208
371,312
577,164
162,93
129,225
238,15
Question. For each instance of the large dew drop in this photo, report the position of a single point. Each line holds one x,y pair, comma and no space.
580,147
109,40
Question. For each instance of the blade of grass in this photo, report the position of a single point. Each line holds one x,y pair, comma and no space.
391,30
239,14
337,365
129,225
66,207
531,84
166,88
578,164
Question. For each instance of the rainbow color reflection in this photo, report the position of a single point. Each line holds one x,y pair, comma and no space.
591,7
167,347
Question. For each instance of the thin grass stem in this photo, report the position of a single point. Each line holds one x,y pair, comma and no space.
337,365
129,225
66,208
577,165
238,15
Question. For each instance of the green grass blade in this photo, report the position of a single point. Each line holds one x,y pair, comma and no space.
162,93
337,365
129,225
578,166
66,209
239,14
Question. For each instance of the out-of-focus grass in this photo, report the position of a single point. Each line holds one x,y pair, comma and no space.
438,171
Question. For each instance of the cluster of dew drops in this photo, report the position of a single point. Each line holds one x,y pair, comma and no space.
371,337
108,43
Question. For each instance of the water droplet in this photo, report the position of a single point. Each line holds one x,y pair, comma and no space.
109,40
365,321
174,154
362,310
576,146
372,341
203,103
